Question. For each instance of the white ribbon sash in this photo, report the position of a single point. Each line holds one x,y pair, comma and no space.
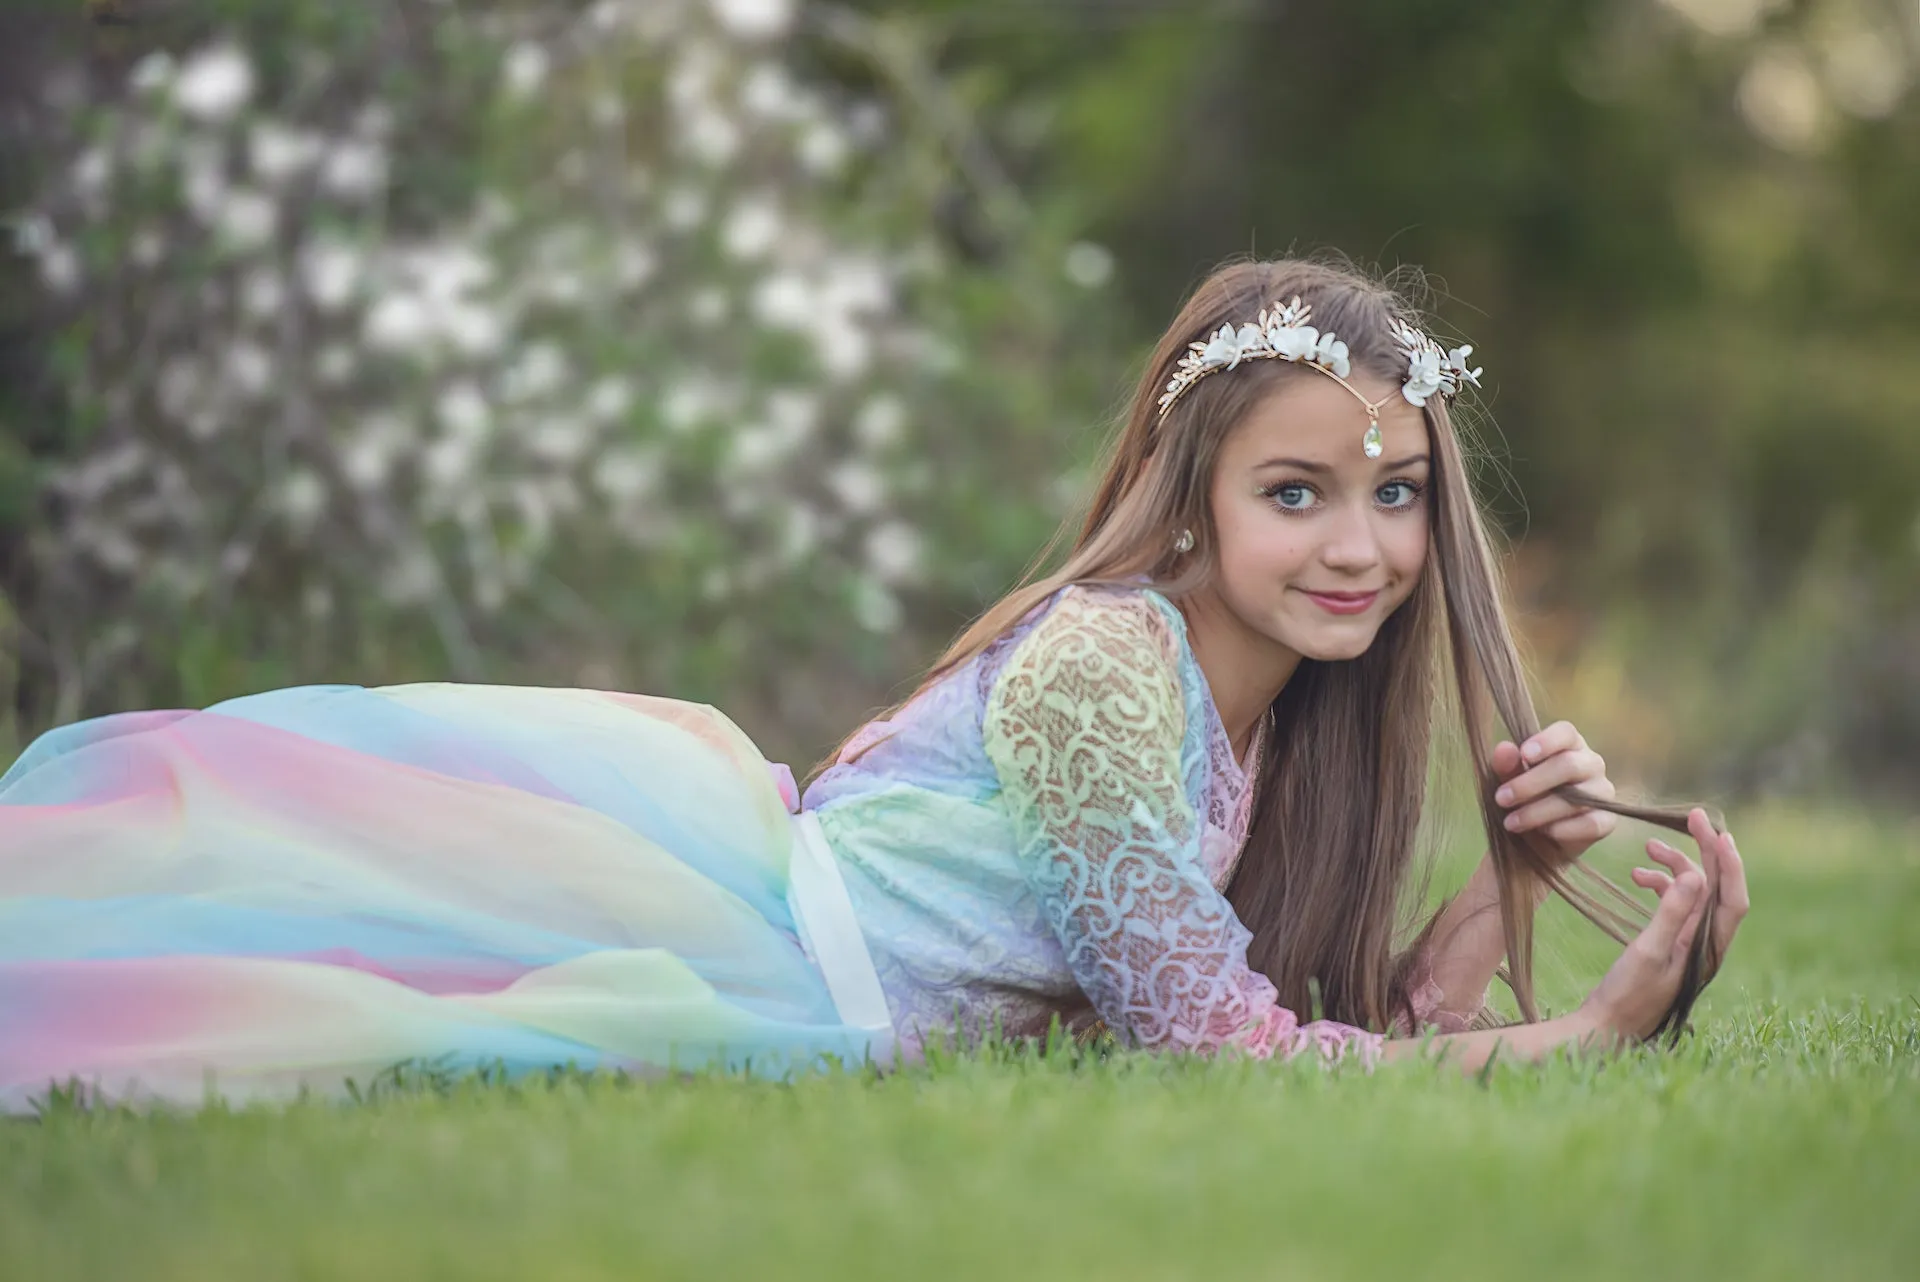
830,933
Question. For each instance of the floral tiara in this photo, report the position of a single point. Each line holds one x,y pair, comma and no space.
1282,333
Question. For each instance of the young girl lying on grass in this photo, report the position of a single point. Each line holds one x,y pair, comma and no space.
1172,786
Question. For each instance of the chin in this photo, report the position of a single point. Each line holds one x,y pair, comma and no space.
1337,644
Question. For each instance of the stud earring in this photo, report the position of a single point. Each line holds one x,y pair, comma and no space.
1185,542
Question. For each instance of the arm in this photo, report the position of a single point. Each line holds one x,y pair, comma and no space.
1629,1003
1468,941
1085,726
1466,947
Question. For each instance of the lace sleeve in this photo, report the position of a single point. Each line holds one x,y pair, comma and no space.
1085,726
1428,1001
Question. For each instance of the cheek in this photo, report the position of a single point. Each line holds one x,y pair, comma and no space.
1260,546
1404,547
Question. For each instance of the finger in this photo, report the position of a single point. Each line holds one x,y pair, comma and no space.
1691,927
1506,759
1651,879
1558,737
1733,879
1676,907
1585,828
1575,766
1548,810
1673,860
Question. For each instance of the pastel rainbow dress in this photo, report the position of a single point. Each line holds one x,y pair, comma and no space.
307,887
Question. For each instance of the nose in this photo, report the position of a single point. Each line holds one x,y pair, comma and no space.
1350,547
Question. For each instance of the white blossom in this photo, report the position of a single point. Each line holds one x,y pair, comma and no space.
880,422
844,350
92,172
752,228
262,293
540,369
783,300
60,269
626,474
755,19
610,398
332,271
683,208
767,91
894,552
33,235
279,153
525,69
708,306
214,84
179,386
476,329
464,410
355,170
1088,265
249,368
858,485
303,496
248,218
823,149
367,456
152,73
688,404
148,247
709,134
398,323
235,559
874,607
560,438
335,364
203,178
633,264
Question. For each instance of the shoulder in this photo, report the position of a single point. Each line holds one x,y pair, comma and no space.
1102,633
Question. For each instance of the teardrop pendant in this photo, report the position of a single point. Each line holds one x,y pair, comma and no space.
1371,442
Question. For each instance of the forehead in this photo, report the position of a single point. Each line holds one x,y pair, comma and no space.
1314,418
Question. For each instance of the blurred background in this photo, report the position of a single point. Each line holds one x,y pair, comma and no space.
742,350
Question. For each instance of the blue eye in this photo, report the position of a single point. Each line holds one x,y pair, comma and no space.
1397,494
1291,496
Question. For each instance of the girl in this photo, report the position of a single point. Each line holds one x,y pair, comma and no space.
1172,786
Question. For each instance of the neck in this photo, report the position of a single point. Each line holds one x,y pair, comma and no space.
1245,670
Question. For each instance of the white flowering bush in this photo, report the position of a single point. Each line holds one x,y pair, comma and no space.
544,341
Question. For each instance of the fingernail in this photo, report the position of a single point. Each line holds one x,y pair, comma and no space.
1531,751
1513,822
1504,796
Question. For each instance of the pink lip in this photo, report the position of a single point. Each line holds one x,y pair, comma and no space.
1342,602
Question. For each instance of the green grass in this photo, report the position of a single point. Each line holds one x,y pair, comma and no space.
1783,1141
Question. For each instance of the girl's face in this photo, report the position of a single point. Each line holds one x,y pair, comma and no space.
1318,543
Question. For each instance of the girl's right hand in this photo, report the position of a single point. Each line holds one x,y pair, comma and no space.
1628,1004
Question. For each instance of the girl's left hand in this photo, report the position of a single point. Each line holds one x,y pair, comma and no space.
1555,757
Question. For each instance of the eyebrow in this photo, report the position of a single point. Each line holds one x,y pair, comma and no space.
1323,469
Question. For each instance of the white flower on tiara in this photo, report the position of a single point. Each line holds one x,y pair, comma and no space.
1332,353
1227,347
1430,367
1294,342
1457,366
1424,376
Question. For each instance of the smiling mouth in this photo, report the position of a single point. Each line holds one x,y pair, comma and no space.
1342,602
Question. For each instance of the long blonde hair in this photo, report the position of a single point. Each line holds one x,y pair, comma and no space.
1330,847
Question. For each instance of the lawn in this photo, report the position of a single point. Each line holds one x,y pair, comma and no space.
1782,1141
